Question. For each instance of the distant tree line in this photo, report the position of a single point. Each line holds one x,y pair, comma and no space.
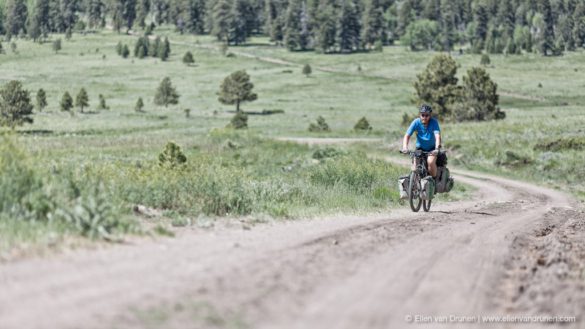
493,26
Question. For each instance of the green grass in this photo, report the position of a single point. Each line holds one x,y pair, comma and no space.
255,176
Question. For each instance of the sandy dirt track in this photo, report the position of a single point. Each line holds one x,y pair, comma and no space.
515,249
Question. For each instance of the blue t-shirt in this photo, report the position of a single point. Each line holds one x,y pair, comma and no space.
425,136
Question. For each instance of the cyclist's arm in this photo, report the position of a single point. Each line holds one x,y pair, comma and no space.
437,140
405,142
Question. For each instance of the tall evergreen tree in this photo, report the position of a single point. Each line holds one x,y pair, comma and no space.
432,10
238,31
39,20
96,10
374,25
16,14
41,100
481,28
195,21
437,85
506,18
327,29
123,14
160,10
69,10
15,105
82,99
447,25
166,94
142,10
66,103
579,24
222,17
406,14
547,44
236,89
349,28
55,16
292,25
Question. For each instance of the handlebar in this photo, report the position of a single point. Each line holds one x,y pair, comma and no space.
419,152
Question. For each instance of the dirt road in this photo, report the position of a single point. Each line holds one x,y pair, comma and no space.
514,250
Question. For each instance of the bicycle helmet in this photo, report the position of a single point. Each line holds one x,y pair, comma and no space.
425,109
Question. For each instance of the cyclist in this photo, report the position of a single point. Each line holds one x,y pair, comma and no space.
428,137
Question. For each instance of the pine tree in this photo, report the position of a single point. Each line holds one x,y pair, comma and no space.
41,100
437,85
123,14
480,98
56,45
579,24
164,50
16,14
102,103
327,29
39,21
236,89
237,24
188,58
447,25
55,16
96,13
141,47
69,9
307,70
142,10
292,25
82,99
15,106
374,28
275,22
481,28
125,51
349,28
196,13
432,10
406,14
153,49
139,105
66,102
506,18
166,94
222,18
548,33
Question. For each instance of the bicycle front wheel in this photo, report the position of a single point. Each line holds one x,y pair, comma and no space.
414,188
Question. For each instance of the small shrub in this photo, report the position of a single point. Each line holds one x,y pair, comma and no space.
328,152
378,46
485,60
171,156
571,143
307,70
320,126
239,121
188,58
513,159
362,125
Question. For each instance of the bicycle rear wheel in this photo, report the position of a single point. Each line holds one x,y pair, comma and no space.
426,205
414,188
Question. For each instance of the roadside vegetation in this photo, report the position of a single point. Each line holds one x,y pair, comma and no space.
86,114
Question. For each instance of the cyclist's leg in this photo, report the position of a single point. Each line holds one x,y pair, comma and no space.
432,163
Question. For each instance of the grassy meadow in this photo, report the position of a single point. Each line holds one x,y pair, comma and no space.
93,167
